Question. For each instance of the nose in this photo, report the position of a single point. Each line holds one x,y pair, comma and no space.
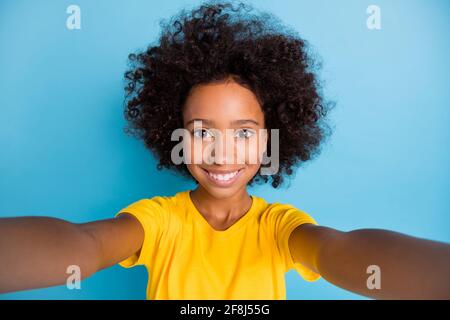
223,151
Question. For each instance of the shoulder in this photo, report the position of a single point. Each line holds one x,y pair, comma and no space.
156,207
162,211
164,203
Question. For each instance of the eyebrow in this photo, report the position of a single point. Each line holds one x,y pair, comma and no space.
235,122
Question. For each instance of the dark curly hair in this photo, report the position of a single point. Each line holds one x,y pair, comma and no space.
209,44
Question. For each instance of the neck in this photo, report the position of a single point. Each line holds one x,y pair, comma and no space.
221,210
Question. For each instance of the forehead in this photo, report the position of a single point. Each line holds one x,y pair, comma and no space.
222,102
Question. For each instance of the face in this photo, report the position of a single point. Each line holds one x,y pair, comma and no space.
226,148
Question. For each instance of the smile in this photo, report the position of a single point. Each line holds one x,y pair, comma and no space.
223,178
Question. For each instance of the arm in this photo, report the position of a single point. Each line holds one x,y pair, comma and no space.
410,268
36,251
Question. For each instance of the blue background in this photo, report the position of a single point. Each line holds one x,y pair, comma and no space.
63,152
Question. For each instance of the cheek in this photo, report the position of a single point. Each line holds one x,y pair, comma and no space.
193,170
195,150
251,150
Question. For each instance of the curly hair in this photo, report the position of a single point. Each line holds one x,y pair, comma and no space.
210,43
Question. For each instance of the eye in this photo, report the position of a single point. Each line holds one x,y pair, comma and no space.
244,133
202,134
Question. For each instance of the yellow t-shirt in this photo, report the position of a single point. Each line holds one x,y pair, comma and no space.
187,259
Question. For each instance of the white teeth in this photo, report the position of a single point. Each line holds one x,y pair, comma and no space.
223,177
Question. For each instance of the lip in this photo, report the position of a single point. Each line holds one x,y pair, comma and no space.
222,183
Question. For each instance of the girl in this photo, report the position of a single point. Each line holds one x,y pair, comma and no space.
224,76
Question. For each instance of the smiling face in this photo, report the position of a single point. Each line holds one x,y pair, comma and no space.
231,117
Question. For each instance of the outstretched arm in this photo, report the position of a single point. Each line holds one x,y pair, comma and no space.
410,267
36,251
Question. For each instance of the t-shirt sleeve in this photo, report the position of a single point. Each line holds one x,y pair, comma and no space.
287,219
152,215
